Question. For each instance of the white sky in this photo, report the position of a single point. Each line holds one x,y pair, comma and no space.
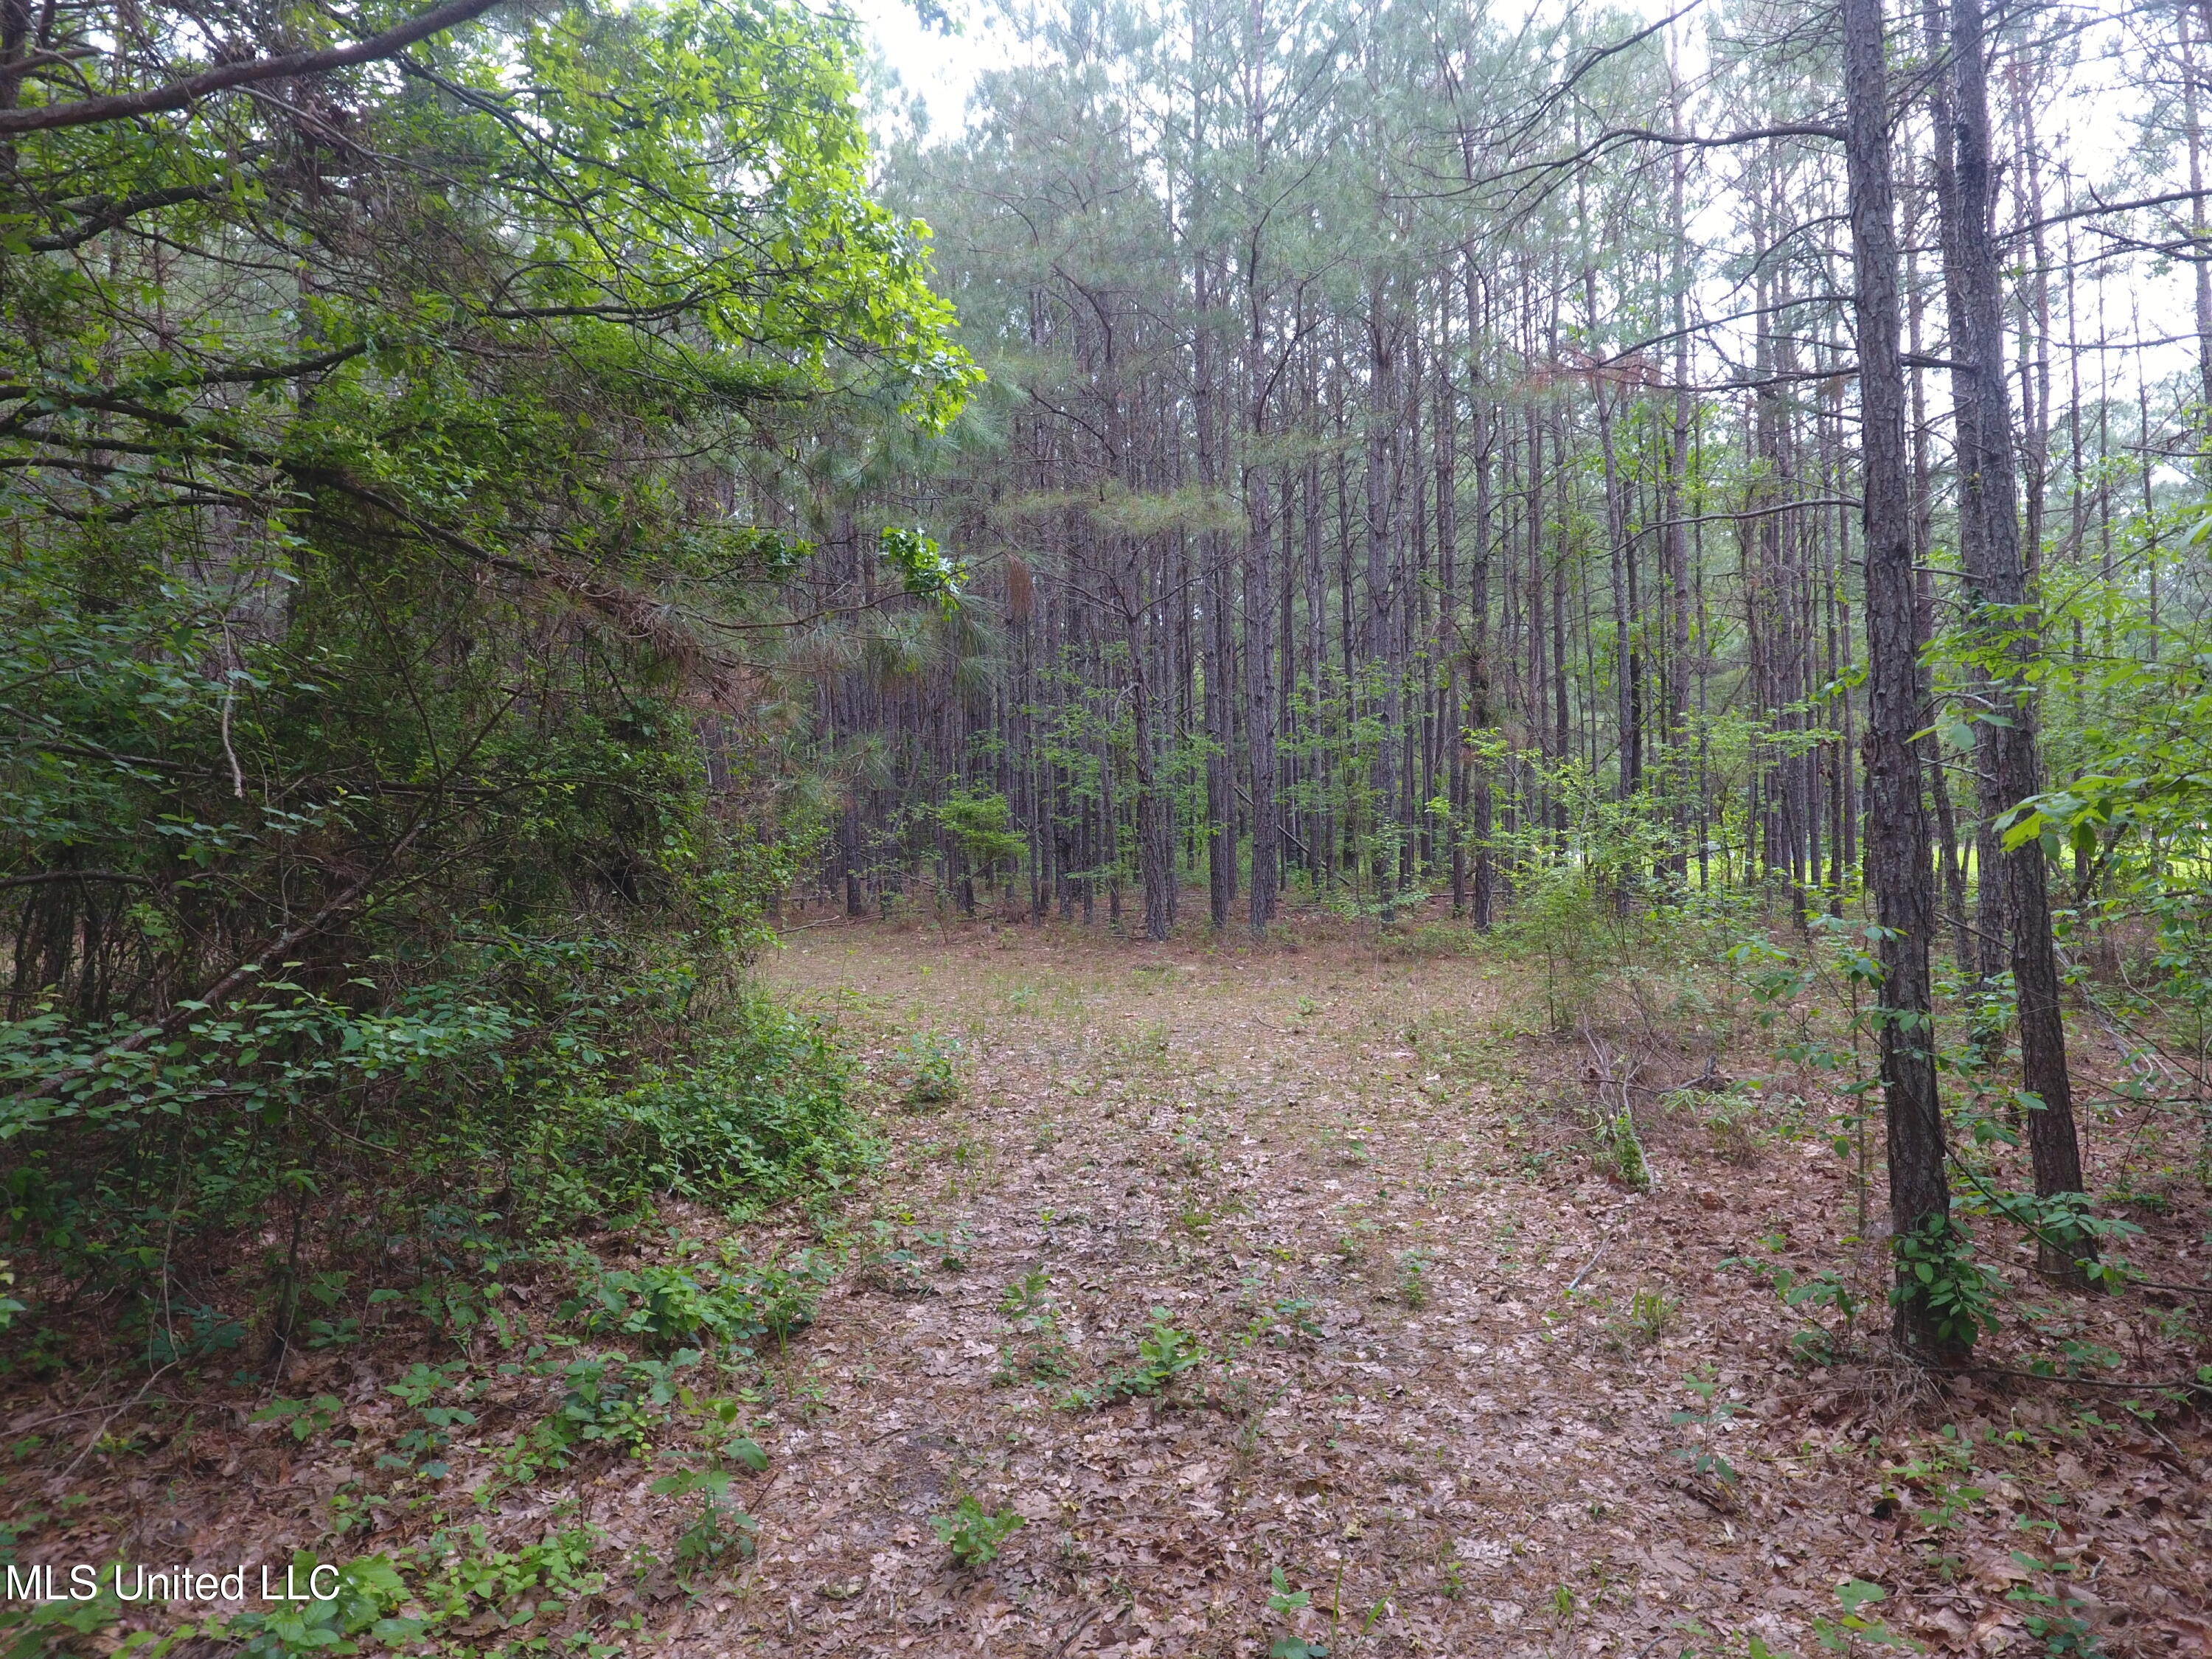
941,67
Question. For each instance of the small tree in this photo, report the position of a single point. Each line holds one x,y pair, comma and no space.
982,826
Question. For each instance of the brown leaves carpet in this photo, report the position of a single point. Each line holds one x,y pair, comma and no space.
1368,1196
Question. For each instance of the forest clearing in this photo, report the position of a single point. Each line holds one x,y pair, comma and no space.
1458,1376
1139,826
1192,1265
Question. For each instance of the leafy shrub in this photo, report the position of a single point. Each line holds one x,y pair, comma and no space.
1938,1269
930,1070
1414,1280
1621,1152
1282,1599
669,1308
1164,1352
607,1400
760,1113
972,1533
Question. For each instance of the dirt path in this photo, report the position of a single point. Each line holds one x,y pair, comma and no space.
1431,1401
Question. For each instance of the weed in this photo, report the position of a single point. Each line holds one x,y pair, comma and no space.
929,1065
972,1533
1029,1296
1412,1279
1957,1293
303,1418
668,1307
1164,1352
1813,1345
1295,1322
1703,1459
1619,1154
1651,1314
607,1400
1282,1599
720,1528
1027,1302
1844,1635
888,1261
2054,1618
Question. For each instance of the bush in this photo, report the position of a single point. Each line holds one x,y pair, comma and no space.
930,1070
972,1533
760,1114
670,1308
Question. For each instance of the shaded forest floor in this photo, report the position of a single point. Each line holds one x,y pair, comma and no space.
1226,1263
1450,1387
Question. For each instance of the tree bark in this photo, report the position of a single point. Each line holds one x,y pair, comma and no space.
2006,627
1897,823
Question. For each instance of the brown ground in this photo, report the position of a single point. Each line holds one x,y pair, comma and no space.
1489,1472
1432,1399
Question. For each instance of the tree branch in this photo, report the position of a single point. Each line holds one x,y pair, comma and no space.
178,95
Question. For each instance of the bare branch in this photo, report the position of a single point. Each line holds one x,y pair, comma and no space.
180,94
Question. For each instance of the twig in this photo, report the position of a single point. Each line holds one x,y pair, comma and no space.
1081,1626
1587,1266
99,1433
2082,1382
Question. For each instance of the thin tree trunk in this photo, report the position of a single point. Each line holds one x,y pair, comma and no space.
2001,605
1897,826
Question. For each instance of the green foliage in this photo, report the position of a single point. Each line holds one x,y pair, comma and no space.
1044,1356
1844,1635
303,1419
1164,1352
1937,1271
609,1401
1414,1280
982,826
1651,1314
1704,1456
757,1112
668,1308
923,565
972,1533
371,1592
929,1069
2054,1616
440,1592
365,839
1621,1152
1281,1600
2065,1222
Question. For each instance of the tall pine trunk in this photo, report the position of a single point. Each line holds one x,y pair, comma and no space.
1897,823
2005,627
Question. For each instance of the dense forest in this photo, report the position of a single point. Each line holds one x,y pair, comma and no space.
1422,427
1626,592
